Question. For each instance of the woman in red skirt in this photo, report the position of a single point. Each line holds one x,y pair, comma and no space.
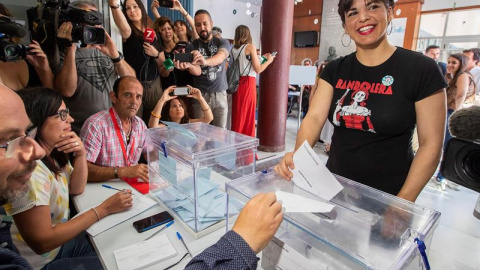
245,99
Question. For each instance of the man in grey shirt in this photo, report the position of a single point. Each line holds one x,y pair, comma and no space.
209,59
86,75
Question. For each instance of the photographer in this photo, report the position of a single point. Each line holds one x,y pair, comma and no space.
18,73
86,74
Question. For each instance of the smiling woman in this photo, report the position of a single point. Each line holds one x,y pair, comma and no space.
46,203
374,97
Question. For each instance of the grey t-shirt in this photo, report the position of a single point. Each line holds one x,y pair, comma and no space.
212,79
96,76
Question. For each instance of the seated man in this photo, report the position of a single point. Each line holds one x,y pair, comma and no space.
114,138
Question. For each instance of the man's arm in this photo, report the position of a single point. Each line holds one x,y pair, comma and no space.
253,230
98,173
66,79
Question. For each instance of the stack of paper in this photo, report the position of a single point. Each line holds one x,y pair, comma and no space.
145,253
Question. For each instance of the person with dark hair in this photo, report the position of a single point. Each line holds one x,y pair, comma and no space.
244,101
460,87
46,203
209,73
433,51
85,74
143,56
374,97
35,71
217,32
114,138
179,74
472,65
173,109
181,28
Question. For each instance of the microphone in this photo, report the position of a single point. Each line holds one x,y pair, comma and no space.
465,123
12,29
149,35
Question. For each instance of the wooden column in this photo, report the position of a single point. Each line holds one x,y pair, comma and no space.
276,35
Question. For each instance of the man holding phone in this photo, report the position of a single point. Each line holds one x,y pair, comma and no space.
209,56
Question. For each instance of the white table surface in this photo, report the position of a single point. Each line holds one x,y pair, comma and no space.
124,234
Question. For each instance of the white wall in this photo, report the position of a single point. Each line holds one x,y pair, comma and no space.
443,4
223,17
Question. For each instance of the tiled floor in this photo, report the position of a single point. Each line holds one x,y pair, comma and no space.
456,240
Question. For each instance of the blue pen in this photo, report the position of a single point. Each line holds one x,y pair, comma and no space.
166,226
181,239
107,186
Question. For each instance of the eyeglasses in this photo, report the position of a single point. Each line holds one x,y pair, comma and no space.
19,142
63,114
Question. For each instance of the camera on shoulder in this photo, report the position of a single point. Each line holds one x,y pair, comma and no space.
9,50
84,25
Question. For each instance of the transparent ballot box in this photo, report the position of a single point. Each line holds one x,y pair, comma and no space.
367,228
188,167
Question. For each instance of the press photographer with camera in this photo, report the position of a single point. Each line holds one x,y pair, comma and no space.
86,74
21,65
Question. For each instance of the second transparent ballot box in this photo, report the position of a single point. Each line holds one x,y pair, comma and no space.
189,165
367,228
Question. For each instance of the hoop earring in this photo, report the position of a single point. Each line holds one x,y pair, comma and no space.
391,27
343,43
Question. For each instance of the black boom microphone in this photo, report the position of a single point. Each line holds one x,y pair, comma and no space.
461,160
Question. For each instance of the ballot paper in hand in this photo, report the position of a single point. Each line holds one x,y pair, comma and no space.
296,203
310,174
145,253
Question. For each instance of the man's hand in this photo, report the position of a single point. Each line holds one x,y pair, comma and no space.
198,59
285,166
259,220
137,171
65,31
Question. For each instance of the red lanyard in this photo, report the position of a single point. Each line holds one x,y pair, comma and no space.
120,138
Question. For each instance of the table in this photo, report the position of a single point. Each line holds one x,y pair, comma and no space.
124,234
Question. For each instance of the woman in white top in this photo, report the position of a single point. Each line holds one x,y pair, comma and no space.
245,99
42,231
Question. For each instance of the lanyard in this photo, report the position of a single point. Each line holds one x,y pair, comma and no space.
120,138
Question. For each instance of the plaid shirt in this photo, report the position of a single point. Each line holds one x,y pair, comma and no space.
101,141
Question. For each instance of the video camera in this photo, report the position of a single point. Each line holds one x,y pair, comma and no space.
10,51
46,18
461,159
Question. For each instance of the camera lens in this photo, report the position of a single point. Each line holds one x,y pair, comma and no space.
471,164
12,51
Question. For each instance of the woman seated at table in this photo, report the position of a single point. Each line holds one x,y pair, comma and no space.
172,108
42,231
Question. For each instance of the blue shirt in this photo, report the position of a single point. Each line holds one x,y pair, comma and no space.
9,257
230,252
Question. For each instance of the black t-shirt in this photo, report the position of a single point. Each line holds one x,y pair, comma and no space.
177,77
135,56
373,113
33,78
212,79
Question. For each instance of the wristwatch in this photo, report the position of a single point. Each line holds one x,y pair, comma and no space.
118,59
115,7
115,171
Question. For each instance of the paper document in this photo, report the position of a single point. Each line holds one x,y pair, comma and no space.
140,204
145,253
310,174
296,203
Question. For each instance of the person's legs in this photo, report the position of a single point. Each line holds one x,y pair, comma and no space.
219,109
77,253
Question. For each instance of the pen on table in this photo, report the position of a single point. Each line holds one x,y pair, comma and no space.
107,186
181,239
164,227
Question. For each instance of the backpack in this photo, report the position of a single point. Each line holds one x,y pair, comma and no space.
233,72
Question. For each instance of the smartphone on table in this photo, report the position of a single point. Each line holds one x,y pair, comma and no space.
151,222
